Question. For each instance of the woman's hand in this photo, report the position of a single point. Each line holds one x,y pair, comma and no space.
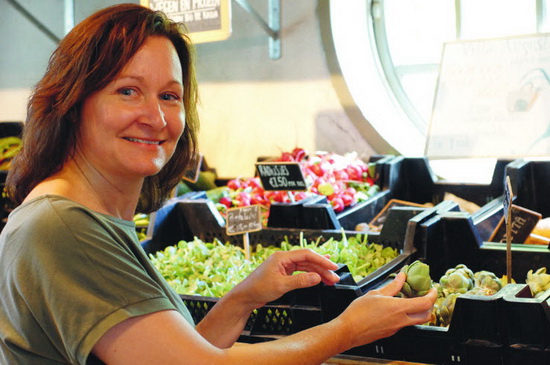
275,276
378,314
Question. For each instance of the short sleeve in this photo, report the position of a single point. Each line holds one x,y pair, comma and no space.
78,276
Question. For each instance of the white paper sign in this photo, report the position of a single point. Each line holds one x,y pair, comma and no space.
492,99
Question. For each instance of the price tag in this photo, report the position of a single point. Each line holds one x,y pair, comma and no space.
192,174
522,223
286,176
243,220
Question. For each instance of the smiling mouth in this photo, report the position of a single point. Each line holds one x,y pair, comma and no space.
139,140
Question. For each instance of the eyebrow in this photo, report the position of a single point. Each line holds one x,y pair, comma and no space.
142,80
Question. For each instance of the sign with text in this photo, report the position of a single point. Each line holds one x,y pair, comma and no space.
522,223
286,176
205,20
492,99
244,219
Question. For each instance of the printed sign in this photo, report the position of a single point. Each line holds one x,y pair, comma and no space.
281,176
492,99
522,223
205,20
243,220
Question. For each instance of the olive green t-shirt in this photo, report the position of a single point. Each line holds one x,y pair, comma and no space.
67,275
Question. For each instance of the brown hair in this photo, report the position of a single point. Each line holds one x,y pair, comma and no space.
86,60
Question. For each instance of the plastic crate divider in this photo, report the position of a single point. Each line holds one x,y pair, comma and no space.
363,212
479,318
526,319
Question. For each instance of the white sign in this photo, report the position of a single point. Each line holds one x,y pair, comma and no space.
492,99
205,20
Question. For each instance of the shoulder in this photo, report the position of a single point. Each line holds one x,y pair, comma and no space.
49,211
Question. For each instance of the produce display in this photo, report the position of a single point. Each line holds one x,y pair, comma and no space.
9,147
344,179
461,280
213,268
455,282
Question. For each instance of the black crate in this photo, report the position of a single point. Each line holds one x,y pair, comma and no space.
452,238
475,336
412,179
298,309
526,319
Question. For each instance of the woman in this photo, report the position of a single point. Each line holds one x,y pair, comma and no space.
110,130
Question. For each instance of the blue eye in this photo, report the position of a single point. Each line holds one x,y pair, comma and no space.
126,91
169,97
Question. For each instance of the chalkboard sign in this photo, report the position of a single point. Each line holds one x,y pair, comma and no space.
285,176
522,223
492,99
243,220
206,21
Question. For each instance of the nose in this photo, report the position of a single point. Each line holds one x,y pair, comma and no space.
152,114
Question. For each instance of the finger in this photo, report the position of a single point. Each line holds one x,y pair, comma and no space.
420,317
420,304
327,276
303,280
307,256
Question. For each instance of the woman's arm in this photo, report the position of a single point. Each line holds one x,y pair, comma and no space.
166,338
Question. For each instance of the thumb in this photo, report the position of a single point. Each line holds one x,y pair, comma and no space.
394,286
303,280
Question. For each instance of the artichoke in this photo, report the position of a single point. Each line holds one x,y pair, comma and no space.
538,282
434,321
418,281
445,309
459,280
487,281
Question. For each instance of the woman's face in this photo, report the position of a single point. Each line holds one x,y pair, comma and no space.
130,128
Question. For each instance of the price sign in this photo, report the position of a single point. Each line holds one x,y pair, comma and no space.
522,223
243,220
281,176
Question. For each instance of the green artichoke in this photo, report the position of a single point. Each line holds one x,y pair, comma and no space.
418,281
488,282
434,320
459,280
445,310
538,282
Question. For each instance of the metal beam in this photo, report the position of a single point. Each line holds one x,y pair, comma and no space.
69,15
34,20
272,27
